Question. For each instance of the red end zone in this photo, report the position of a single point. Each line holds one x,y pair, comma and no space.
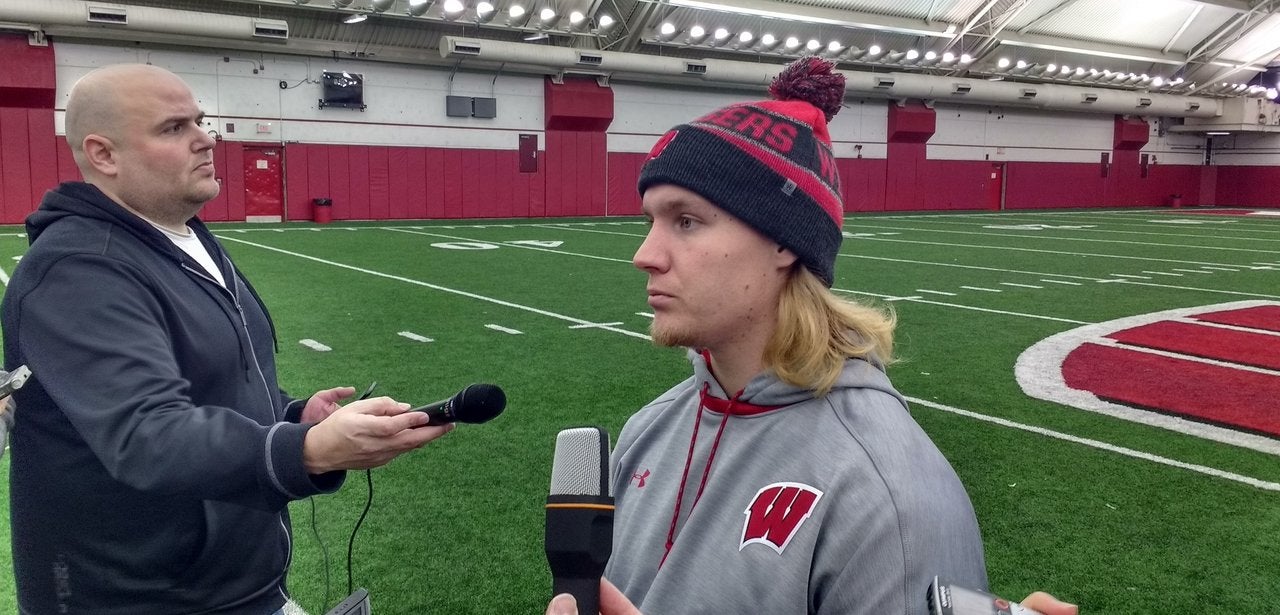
1212,371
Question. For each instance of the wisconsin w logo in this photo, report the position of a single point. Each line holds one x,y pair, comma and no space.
776,512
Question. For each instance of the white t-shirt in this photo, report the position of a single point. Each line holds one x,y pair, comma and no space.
190,244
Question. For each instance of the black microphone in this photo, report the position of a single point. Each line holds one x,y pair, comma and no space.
580,515
476,403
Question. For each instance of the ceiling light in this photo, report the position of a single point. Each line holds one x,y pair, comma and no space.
516,11
792,42
576,17
768,39
418,7
453,7
912,54
931,55
746,37
813,45
721,34
485,11
1216,133
1052,68
1271,93
357,18
379,6
834,46
547,14
1020,64
1003,63
697,32
874,50
667,29
965,58
948,57
818,15
1157,82
1065,69
605,21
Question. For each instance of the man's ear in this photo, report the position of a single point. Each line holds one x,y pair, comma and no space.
784,258
100,154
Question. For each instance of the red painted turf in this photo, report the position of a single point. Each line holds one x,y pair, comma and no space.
1265,317
1257,349
1208,393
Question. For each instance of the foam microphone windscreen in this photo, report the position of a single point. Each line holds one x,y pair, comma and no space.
579,535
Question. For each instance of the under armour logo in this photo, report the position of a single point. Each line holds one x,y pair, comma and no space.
639,479
776,514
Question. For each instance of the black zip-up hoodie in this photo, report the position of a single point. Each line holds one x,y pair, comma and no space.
153,455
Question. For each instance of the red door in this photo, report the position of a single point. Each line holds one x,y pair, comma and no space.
995,187
263,184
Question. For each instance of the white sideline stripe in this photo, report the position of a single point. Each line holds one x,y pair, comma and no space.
1134,277
314,345
1062,282
1121,231
645,314
504,329
1203,290
864,225
1038,251
1219,268
4,277
901,298
1175,275
1128,452
1020,285
1194,271
935,292
507,244
414,336
596,325
1106,341
445,289
965,307
987,290
959,266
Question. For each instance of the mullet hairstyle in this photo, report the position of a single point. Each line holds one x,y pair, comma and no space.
818,330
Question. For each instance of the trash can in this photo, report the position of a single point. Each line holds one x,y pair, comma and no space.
322,210
1175,200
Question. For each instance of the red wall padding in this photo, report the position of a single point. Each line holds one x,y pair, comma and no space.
381,183
29,80
1131,133
30,160
1248,186
580,103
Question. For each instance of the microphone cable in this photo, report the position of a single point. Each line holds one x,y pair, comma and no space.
324,550
368,502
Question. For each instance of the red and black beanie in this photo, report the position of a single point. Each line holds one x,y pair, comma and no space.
769,163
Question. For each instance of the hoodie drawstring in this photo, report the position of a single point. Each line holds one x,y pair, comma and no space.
706,471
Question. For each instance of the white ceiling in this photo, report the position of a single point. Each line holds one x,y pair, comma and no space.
1205,43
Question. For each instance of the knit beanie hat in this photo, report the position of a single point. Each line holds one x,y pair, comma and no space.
768,163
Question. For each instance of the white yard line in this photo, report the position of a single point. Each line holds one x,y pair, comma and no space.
1015,284
1194,271
985,290
1039,251
1106,341
1223,325
935,292
965,307
1128,452
314,345
1062,282
1164,273
445,289
509,245
1183,247
506,330
1203,290
4,277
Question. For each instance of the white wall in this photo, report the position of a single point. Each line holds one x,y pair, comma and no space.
406,107
406,104
1249,149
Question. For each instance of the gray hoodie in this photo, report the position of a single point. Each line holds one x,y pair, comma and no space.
839,504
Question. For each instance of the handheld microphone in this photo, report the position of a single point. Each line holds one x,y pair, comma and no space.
476,403
579,535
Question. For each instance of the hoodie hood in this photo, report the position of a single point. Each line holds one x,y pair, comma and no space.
766,389
78,199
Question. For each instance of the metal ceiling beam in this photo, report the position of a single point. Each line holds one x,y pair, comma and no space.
1217,79
1210,50
1176,35
1062,6
635,27
1235,5
995,26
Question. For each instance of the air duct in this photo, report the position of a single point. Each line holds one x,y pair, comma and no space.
897,85
52,14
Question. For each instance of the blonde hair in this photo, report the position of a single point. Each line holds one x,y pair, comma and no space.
818,330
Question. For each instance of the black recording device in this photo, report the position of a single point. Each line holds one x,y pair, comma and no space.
579,533
477,403
947,599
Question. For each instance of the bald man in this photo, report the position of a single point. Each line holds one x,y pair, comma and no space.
155,455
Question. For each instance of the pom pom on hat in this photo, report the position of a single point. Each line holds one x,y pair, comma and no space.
811,79
769,163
